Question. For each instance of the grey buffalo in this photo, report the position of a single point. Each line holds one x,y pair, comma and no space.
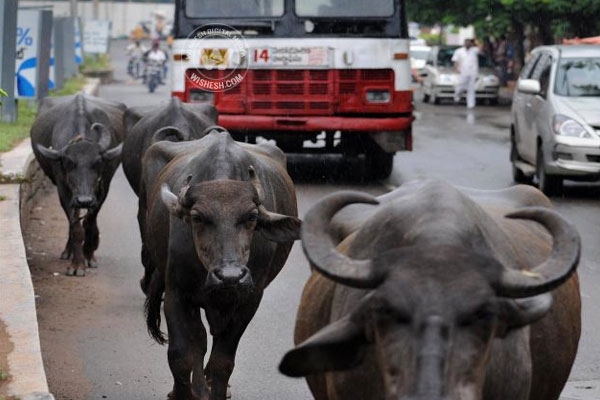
432,292
173,122
221,219
76,140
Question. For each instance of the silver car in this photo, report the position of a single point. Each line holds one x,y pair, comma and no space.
555,117
439,77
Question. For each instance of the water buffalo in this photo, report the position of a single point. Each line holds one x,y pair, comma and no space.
437,293
173,121
215,245
76,140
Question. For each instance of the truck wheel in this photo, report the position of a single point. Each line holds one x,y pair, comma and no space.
550,185
379,163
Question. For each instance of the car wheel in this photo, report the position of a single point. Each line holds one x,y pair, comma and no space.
549,184
425,96
517,174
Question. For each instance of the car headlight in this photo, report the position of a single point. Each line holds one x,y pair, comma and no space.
566,126
491,80
446,79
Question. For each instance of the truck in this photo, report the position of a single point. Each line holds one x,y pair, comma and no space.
315,76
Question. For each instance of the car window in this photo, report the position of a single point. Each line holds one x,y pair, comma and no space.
444,58
578,77
526,71
544,61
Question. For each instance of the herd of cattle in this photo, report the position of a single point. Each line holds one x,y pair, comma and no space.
429,292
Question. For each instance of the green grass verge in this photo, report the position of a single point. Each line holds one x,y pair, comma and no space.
11,133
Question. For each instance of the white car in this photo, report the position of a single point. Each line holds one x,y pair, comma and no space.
440,77
418,55
555,117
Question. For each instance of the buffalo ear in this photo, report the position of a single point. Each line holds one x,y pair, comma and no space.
168,133
50,154
278,227
113,153
517,313
337,347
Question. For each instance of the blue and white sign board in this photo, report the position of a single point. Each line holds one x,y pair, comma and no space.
28,23
52,71
96,34
78,44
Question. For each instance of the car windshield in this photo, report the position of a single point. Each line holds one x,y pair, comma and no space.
233,8
445,57
344,8
578,77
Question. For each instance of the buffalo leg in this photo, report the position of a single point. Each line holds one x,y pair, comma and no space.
187,347
92,237
68,251
76,238
222,356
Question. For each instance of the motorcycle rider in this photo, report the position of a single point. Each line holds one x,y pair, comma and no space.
156,55
136,52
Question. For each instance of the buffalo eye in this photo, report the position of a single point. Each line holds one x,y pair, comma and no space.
200,218
482,315
97,164
68,164
249,219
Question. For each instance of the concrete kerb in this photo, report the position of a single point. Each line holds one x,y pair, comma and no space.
22,175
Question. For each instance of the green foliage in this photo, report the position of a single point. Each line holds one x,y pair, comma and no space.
95,62
2,94
431,38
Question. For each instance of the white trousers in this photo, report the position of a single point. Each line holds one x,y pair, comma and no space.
466,82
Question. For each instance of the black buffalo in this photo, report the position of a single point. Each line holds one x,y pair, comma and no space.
76,140
438,293
215,246
174,121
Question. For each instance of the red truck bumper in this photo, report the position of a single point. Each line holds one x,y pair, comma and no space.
250,123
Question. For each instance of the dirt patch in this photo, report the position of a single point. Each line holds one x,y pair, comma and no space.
6,347
62,302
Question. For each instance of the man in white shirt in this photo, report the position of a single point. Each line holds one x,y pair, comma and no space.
466,62
158,56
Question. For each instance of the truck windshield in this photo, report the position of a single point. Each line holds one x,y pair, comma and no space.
233,8
344,8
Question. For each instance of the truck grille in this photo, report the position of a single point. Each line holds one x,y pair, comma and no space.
300,92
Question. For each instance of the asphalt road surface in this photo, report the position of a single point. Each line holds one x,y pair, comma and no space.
93,333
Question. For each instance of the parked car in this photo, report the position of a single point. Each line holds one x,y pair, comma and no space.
440,77
418,56
555,117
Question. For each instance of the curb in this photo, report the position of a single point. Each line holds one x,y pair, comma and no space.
17,299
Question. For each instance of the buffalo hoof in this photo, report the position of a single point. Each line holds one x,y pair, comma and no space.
74,271
92,263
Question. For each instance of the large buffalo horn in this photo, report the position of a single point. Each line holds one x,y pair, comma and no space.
320,249
103,135
559,266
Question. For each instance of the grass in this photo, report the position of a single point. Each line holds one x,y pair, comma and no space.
11,133
97,62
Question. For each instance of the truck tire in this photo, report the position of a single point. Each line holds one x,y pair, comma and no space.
517,174
378,162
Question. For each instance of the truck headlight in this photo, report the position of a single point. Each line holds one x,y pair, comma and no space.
566,126
201,96
378,96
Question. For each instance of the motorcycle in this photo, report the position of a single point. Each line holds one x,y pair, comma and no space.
133,67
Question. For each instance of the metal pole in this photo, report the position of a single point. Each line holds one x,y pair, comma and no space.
74,11
8,30
95,9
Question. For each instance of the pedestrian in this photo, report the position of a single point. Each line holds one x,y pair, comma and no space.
501,60
466,62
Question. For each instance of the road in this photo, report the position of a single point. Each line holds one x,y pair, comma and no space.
92,329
